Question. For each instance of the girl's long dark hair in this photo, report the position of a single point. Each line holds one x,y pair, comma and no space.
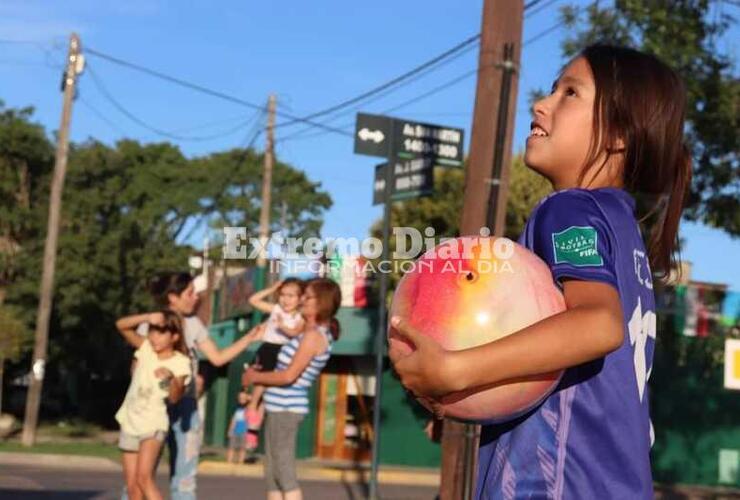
165,283
641,102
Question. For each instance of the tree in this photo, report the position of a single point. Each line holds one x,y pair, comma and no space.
683,33
26,159
231,191
442,210
15,339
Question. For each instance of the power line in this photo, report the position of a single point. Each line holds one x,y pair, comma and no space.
430,92
544,32
376,97
451,53
431,62
202,89
106,93
541,8
101,116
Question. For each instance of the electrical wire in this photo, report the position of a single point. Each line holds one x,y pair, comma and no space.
164,133
431,62
426,94
451,54
202,89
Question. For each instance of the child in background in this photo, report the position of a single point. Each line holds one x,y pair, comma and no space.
610,139
238,431
161,371
285,322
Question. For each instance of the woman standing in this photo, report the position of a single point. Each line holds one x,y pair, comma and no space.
286,399
175,291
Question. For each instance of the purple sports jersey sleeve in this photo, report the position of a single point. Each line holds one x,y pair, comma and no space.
591,437
573,237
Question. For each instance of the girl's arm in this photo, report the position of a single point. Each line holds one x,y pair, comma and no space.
127,326
311,344
590,328
219,357
230,431
176,384
257,300
177,389
292,332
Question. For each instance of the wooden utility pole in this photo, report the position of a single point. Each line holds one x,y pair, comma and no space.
269,159
486,183
33,399
267,182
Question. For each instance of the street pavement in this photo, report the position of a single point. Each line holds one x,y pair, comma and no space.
44,482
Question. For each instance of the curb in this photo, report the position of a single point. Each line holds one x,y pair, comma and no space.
53,460
307,472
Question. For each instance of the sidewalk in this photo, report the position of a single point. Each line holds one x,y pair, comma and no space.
308,470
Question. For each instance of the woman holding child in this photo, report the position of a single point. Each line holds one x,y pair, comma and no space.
299,363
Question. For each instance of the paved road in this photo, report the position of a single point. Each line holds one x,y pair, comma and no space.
28,482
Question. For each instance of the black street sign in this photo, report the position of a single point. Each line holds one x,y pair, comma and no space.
372,135
378,135
414,139
410,179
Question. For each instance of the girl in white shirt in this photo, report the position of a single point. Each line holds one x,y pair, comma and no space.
160,373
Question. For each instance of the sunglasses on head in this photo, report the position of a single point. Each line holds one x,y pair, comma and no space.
160,328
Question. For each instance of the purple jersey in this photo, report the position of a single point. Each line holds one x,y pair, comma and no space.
591,438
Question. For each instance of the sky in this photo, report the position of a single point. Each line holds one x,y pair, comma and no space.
310,55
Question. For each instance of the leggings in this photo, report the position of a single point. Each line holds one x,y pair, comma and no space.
281,429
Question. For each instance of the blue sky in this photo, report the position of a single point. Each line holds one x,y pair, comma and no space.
310,54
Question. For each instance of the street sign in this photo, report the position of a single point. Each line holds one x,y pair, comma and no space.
413,149
378,135
372,135
409,179
415,139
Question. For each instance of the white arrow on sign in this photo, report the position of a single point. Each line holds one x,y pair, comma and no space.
372,135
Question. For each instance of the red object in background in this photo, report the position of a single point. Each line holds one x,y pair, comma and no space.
360,291
702,315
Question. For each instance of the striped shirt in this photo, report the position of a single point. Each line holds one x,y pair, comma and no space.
294,397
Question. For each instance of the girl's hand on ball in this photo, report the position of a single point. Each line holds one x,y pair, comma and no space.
428,370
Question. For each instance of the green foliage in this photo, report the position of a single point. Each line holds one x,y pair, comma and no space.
15,337
683,33
26,159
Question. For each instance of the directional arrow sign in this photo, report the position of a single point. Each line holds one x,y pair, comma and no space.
371,135
375,136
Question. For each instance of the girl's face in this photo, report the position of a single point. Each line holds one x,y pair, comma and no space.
562,129
160,339
289,297
309,304
242,398
186,302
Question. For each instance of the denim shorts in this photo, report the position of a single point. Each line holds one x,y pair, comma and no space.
130,442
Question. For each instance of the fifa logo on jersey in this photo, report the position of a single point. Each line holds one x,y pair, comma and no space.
642,269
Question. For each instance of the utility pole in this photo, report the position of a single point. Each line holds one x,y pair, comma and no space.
75,64
486,185
261,277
